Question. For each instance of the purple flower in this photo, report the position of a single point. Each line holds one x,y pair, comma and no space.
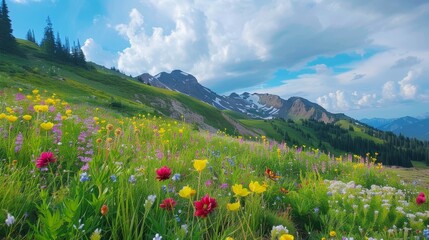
18,142
224,185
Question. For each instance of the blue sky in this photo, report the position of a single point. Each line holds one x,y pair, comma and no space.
365,60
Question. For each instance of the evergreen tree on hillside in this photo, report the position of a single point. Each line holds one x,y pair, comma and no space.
48,41
30,36
7,40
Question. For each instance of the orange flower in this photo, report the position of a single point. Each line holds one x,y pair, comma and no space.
104,210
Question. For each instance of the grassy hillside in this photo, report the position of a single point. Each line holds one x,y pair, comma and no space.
100,86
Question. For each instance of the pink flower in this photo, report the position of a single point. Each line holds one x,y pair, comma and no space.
421,198
44,159
163,173
168,204
205,206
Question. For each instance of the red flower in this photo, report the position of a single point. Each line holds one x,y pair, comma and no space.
44,159
421,198
104,210
163,173
168,204
205,206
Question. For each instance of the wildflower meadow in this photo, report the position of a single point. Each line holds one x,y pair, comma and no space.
75,171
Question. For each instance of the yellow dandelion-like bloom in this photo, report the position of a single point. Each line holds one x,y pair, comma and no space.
240,191
41,108
35,91
199,165
233,206
27,117
47,126
96,235
256,187
332,234
286,237
187,192
2,116
11,118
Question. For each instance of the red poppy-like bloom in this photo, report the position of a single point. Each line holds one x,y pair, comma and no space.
163,173
205,206
104,210
168,204
421,198
44,159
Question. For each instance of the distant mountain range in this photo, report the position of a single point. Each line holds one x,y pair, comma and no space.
254,105
407,126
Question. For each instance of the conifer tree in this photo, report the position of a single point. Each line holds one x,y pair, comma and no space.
30,36
48,41
7,40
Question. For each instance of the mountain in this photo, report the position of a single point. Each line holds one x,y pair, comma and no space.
305,123
254,105
406,126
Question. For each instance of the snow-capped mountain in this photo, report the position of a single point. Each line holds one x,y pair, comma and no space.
254,105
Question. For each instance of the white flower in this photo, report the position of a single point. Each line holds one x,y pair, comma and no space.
10,220
157,237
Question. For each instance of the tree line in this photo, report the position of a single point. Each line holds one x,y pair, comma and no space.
52,46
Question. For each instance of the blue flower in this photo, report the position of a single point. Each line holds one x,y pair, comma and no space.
84,177
176,177
132,179
113,178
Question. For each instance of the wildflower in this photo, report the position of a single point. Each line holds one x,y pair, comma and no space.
2,115
104,210
68,112
109,127
168,204
113,178
132,179
163,173
187,192
184,228
279,230
157,237
233,206
224,185
208,183
332,234
35,91
27,117
256,187
96,235
421,198
205,206
44,159
84,177
41,108
10,220
240,191
149,201
18,142
47,126
286,237
199,165
176,177
229,238
11,118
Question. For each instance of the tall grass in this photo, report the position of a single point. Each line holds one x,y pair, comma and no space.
104,183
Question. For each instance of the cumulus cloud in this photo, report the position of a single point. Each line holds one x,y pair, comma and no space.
95,53
407,89
389,91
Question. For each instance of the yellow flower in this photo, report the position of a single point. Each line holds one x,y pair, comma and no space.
9,110
332,234
35,91
47,125
41,108
2,115
20,89
229,238
96,235
286,237
11,118
95,119
199,165
187,192
323,238
256,187
233,206
50,101
239,190
68,112
29,97
27,117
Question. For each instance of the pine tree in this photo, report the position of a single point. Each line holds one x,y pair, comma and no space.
7,40
48,41
30,36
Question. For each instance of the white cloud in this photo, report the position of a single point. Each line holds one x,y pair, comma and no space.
408,90
95,53
389,91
